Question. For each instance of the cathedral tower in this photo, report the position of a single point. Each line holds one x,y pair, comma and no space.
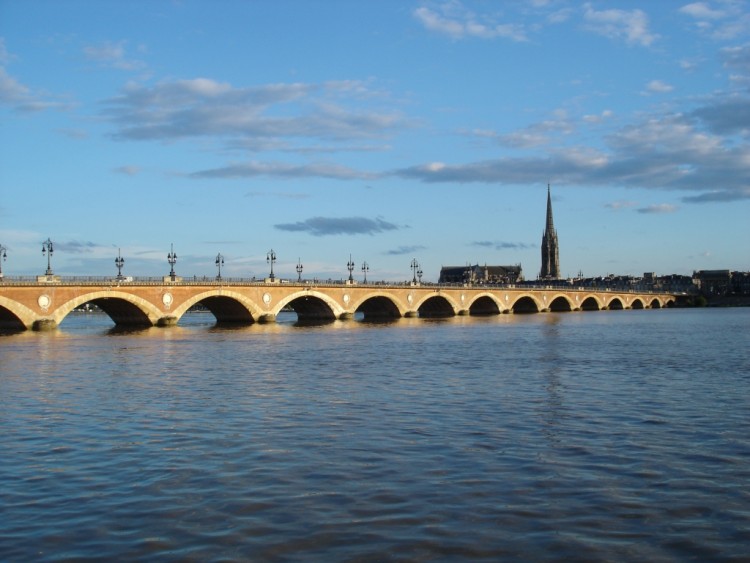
550,251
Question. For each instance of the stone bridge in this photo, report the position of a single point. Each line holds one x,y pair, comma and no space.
44,304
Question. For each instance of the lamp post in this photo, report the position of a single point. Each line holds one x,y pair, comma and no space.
3,257
270,259
48,249
219,264
419,275
299,270
350,267
365,269
414,268
172,259
119,263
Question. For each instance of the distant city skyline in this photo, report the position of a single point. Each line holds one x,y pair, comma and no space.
386,131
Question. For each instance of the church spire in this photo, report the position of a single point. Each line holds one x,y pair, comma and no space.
550,227
550,252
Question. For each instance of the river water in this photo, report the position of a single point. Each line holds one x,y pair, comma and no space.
611,435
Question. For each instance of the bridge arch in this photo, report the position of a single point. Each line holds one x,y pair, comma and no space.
123,308
561,303
376,306
526,303
485,305
615,304
436,306
637,304
14,315
228,307
311,306
591,303
655,303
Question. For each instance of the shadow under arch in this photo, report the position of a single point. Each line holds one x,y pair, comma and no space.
484,306
436,307
561,304
9,321
310,309
378,308
655,303
525,304
124,309
590,304
637,304
615,304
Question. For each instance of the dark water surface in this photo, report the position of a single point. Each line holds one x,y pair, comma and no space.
613,435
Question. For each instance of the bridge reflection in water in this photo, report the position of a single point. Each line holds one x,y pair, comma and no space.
44,304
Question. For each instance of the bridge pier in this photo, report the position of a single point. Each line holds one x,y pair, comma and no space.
463,313
346,316
411,314
167,321
44,324
267,318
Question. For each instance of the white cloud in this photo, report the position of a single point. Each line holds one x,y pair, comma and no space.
127,170
631,26
21,98
659,87
454,20
658,208
263,114
112,55
701,10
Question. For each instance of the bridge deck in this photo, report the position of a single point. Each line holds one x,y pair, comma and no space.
45,301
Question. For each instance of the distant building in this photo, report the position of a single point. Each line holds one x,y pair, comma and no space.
481,274
714,282
550,251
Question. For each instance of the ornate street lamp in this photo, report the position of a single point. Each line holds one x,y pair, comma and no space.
270,259
299,270
172,259
219,264
414,268
3,257
119,263
419,275
350,267
48,250
365,269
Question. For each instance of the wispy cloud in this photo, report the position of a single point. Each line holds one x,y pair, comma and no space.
631,26
17,95
726,21
127,170
454,20
502,245
282,170
112,54
617,205
658,87
658,208
323,226
270,113
403,250
692,152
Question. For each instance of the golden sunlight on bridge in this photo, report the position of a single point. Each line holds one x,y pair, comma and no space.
43,305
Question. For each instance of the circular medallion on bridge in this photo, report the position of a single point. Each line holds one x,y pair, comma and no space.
167,299
266,298
44,301
463,298
346,298
410,298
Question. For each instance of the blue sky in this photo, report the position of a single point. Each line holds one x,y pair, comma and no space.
388,130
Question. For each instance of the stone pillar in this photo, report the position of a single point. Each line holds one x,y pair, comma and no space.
44,324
